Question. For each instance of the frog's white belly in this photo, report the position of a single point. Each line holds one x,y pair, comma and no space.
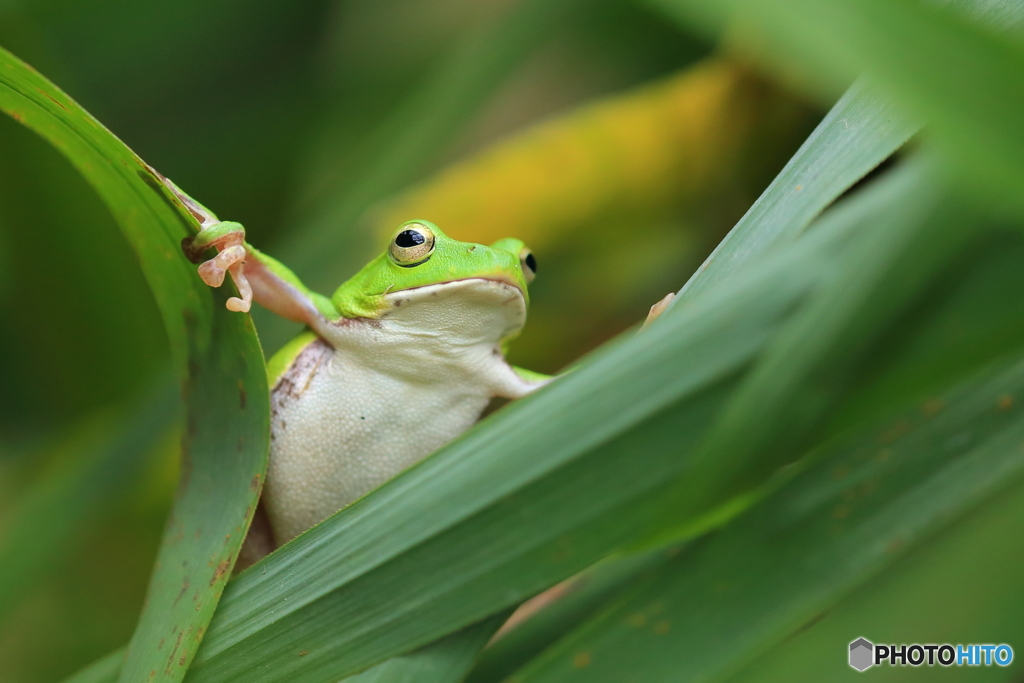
348,417
341,430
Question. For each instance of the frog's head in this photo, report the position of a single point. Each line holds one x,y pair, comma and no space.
430,281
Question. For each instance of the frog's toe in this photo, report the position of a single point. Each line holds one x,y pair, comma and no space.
244,303
213,271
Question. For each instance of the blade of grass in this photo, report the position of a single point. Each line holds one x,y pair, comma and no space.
972,564
867,502
858,133
217,355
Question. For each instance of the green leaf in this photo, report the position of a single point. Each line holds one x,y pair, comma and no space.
216,354
786,561
858,133
963,586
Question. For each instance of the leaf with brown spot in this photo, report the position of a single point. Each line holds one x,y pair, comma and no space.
217,356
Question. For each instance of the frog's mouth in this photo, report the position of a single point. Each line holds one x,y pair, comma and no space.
475,309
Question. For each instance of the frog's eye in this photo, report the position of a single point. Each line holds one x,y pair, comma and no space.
529,264
412,245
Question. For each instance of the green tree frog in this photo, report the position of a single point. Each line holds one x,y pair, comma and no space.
400,360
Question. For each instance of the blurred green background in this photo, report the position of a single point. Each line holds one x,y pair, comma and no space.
319,126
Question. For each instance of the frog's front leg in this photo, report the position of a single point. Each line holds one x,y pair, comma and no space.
257,276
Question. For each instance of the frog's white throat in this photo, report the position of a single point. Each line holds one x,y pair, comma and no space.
444,323
460,313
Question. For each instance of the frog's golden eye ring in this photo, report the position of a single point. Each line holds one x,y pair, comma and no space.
412,245
529,264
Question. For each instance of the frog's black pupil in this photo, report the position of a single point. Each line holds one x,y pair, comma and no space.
531,262
410,238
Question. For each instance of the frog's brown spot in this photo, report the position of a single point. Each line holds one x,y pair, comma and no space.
304,653
293,383
254,484
243,399
1005,402
581,660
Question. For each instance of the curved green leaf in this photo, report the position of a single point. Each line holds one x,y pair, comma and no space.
217,355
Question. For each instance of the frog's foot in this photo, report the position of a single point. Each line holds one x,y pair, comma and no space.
243,304
658,308
229,261
229,239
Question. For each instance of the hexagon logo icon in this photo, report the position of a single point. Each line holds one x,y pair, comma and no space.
861,654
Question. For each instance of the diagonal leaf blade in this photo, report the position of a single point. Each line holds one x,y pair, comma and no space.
868,500
858,133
